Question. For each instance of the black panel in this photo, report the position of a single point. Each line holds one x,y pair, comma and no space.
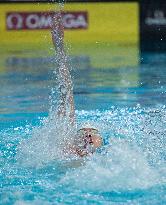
153,25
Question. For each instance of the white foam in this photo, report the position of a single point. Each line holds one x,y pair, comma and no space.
121,168
46,144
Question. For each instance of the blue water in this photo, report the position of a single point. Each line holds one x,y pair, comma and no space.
127,104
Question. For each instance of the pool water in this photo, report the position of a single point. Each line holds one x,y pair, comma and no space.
127,104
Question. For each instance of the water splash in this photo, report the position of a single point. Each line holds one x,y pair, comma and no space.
46,144
131,159
130,166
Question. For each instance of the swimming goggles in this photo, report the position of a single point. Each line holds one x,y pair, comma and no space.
86,131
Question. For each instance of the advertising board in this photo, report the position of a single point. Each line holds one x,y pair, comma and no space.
101,31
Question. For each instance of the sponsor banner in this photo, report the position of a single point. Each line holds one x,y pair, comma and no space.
90,22
96,30
42,20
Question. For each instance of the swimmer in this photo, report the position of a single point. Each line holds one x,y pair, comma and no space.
87,140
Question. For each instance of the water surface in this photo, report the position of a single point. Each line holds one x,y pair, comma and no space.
126,103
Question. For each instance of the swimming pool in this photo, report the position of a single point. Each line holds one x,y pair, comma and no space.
126,103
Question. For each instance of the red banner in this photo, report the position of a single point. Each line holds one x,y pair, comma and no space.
42,20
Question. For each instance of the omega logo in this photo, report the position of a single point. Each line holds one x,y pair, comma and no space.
40,20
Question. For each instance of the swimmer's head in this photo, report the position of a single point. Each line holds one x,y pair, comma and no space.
88,140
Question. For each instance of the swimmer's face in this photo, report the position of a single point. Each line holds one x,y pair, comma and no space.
90,139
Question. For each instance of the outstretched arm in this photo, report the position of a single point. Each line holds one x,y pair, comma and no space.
66,104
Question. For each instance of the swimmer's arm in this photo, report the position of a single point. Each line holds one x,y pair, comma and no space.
66,89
